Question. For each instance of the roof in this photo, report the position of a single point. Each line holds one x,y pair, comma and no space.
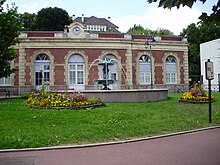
95,21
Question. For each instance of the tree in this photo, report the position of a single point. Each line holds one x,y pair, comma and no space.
162,31
29,21
213,18
10,27
138,29
52,19
197,34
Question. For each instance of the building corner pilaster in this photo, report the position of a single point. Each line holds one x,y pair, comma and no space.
129,66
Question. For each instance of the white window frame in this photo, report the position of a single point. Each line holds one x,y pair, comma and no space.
44,71
5,81
78,74
42,66
144,76
171,75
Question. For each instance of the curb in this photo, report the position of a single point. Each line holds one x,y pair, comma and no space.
108,143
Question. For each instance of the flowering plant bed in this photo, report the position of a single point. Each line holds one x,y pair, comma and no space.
50,100
193,101
196,95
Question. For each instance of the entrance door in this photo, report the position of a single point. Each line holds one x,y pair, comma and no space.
41,71
42,75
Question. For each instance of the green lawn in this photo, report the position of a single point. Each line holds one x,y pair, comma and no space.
21,127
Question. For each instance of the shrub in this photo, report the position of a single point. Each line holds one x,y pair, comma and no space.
26,95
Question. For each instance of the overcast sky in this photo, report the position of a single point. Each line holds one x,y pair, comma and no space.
124,13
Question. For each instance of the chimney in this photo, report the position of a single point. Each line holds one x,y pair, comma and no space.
73,16
109,19
82,17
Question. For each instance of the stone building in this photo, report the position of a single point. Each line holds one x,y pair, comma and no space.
96,24
69,60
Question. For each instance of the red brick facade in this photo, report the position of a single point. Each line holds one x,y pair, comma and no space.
126,49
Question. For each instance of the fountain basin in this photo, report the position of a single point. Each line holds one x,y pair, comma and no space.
130,95
104,81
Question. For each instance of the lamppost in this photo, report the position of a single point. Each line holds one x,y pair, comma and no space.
150,43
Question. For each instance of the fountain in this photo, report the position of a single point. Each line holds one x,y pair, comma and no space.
105,79
125,95
105,70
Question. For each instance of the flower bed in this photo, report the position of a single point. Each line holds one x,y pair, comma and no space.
196,95
50,100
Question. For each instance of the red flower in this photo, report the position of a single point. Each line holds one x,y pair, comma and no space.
193,93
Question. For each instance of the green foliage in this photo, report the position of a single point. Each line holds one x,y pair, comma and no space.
10,27
26,95
52,19
174,3
138,29
162,31
209,32
213,18
29,21
197,34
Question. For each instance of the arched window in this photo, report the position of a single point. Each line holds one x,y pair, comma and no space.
144,70
76,67
171,70
42,58
113,69
41,69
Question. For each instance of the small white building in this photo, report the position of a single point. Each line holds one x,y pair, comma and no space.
211,50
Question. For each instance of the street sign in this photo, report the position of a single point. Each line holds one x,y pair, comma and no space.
209,70
209,76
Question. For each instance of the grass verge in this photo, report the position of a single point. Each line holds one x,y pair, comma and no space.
21,127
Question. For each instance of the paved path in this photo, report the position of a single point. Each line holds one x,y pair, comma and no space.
198,148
